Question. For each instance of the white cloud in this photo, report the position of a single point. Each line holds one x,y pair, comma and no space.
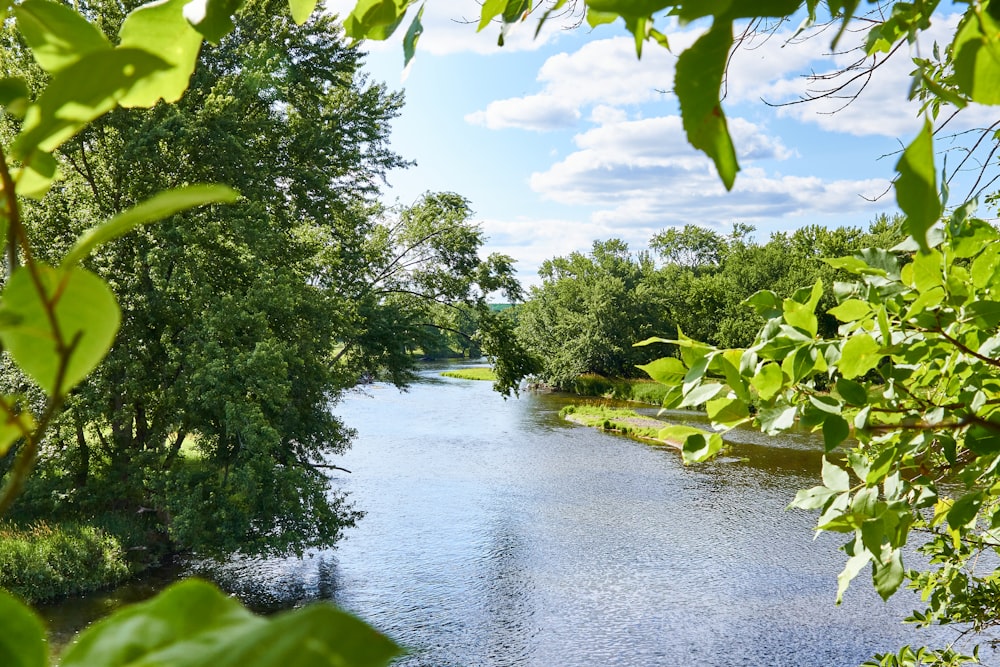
644,174
450,28
535,112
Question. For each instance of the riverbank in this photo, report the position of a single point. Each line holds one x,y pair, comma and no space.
620,420
474,373
637,390
46,561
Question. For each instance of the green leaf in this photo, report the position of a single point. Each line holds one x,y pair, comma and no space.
161,28
800,316
667,370
851,569
700,447
916,186
728,412
835,477
596,18
491,9
976,52
835,431
985,314
22,642
859,355
413,36
777,419
697,81
80,93
851,310
158,207
926,271
812,499
855,265
192,624
888,576
375,19
965,509
86,317
212,18
57,35
766,303
14,95
35,178
701,394
852,392
301,10
768,381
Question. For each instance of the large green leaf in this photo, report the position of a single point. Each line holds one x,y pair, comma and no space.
80,93
301,10
667,370
57,35
161,28
192,624
158,207
916,186
22,641
859,355
977,56
375,19
212,18
76,315
412,36
697,82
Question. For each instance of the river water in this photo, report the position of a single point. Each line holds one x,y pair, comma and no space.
498,534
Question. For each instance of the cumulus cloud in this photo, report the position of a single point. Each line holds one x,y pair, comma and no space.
535,112
643,173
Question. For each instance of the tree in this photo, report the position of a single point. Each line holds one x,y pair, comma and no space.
227,333
59,321
423,277
588,312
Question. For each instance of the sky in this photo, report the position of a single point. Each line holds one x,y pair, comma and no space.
568,138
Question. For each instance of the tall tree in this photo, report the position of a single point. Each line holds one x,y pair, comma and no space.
588,312
213,406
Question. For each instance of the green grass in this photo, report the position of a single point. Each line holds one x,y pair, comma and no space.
478,373
616,420
43,561
638,390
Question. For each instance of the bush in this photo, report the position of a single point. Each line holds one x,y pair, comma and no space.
42,562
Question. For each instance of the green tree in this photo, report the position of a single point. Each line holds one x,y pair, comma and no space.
227,333
424,281
589,310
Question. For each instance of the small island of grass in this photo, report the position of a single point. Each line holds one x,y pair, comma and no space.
619,420
477,373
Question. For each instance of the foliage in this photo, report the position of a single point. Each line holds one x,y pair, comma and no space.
45,561
639,390
472,374
588,312
58,320
424,286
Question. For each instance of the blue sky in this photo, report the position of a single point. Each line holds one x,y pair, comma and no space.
568,138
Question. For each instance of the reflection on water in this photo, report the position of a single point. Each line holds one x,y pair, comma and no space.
498,534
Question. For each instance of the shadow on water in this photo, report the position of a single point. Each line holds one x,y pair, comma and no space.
498,534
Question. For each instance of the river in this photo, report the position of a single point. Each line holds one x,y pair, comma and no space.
497,534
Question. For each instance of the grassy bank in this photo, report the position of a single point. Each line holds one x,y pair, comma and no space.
638,390
44,561
478,373
618,420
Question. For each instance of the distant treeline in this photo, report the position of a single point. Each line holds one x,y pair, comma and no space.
591,308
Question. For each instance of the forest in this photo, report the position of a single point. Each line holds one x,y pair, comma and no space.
198,265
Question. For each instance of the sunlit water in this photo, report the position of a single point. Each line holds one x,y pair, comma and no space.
498,534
